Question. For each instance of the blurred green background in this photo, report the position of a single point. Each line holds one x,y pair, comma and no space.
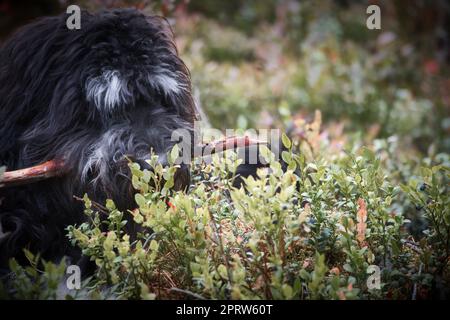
272,63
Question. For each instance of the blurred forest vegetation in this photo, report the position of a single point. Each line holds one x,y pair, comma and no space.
313,69
272,63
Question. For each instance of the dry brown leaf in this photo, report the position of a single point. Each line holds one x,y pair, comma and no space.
361,217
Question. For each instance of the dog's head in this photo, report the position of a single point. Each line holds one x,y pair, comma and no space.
132,57
116,88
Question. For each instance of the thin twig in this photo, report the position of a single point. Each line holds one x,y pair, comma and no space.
101,209
188,293
415,284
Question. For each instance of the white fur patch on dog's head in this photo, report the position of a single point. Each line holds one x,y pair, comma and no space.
108,90
165,83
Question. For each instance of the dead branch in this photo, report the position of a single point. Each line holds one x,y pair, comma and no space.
49,169
56,168
229,143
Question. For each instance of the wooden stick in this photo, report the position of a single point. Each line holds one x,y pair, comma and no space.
56,168
229,143
49,169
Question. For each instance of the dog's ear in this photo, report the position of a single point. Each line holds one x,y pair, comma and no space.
165,31
175,85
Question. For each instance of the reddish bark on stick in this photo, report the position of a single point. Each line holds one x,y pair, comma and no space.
49,169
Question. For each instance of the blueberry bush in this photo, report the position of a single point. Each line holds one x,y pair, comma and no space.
311,232
366,190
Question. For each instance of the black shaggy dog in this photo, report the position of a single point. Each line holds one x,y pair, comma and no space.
113,89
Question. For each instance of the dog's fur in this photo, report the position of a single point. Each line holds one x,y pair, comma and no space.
115,88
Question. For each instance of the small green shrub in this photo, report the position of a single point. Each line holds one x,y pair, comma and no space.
308,233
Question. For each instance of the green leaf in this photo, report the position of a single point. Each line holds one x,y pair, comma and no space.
154,245
287,291
174,154
286,141
110,205
140,200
